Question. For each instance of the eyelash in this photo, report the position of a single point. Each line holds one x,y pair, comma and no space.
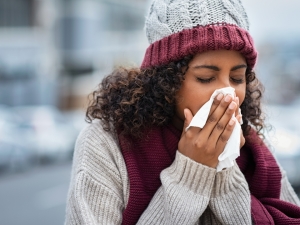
205,80
238,81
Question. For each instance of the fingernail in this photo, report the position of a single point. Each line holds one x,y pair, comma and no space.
227,98
241,120
232,105
184,114
220,96
231,122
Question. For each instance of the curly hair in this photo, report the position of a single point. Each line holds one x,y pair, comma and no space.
133,100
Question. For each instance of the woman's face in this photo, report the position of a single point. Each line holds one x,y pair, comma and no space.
207,72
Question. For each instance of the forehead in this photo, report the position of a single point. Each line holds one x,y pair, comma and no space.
218,57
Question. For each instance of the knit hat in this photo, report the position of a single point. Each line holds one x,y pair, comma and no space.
177,28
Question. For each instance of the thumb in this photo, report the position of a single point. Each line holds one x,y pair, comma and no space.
188,118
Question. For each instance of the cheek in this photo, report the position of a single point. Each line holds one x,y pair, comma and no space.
192,100
241,94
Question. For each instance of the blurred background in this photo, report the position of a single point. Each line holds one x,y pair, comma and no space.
53,53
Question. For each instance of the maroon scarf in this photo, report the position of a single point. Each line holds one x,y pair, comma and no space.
146,158
264,179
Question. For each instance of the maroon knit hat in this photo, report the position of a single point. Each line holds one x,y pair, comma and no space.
182,28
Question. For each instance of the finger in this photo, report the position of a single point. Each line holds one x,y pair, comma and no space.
214,118
188,118
222,123
239,118
216,103
224,137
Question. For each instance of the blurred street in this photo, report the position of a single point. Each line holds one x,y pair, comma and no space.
35,197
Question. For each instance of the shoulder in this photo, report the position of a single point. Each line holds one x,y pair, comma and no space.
98,154
98,170
94,133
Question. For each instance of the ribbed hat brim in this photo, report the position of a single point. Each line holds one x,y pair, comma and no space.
200,39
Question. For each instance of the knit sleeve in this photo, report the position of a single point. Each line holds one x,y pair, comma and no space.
184,194
230,199
98,190
287,192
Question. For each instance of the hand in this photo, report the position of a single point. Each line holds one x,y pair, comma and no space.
205,145
238,116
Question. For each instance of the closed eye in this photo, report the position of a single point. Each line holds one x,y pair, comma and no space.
205,80
238,81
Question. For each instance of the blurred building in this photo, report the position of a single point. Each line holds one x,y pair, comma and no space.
27,53
56,52
279,70
94,40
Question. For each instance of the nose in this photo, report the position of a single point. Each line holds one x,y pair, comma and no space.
225,82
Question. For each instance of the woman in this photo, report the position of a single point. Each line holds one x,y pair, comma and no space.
138,164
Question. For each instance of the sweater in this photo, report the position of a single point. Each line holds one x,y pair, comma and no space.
191,193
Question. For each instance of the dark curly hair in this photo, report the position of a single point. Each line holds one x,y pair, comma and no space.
133,100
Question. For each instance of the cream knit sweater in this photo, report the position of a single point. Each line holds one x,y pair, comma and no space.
191,193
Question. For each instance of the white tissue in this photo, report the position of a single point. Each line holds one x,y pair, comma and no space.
232,148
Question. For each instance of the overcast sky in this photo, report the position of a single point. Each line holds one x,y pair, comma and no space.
273,19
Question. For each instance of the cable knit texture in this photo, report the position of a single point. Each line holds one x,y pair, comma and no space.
99,188
168,17
178,28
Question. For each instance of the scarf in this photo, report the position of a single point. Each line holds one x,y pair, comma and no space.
264,179
145,159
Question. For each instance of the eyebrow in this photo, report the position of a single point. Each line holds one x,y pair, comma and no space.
215,68
239,67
